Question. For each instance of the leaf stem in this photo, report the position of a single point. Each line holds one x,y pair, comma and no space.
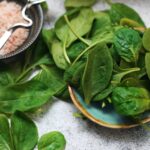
81,54
65,53
23,74
69,25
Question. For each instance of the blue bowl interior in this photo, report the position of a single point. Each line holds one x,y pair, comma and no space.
106,115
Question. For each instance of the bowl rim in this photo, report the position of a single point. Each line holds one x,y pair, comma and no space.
99,122
27,45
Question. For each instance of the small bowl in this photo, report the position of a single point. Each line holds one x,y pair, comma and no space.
36,14
106,117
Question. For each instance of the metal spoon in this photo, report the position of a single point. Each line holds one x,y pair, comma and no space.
9,32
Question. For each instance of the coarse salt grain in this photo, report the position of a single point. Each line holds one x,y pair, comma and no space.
10,15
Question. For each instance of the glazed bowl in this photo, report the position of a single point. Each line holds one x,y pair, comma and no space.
106,117
36,14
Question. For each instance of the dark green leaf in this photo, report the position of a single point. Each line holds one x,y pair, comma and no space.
5,138
75,49
24,96
130,101
24,132
52,141
52,77
119,11
128,44
98,71
74,73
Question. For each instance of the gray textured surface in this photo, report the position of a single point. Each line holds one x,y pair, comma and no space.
83,134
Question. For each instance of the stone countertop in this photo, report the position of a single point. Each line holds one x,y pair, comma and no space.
83,134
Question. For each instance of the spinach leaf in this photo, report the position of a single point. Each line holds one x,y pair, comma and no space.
52,141
104,94
119,11
56,48
52,77
20,134
74,73
79,3
115,81
147,64
78,26
75,49
49,37
130,101
119,76
146,38
5,138
36,55
24,96
102,30
128,44
24,132
57,52
98,71
34,93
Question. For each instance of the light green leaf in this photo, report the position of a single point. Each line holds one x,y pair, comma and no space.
81,25
52,141
24,132
79,3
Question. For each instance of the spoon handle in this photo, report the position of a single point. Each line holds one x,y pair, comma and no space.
5,38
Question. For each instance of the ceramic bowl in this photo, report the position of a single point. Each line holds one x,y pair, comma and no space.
107,116
36,14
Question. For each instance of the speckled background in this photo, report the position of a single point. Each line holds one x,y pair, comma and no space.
83,134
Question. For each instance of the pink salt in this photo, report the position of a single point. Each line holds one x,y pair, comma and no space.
10,13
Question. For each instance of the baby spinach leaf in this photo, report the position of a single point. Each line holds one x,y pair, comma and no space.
20,134
104,94
146,40
5,138
52,141
81,25
24,96
79,3
98,71
75,49
102,29
116,81
130,101
119,76
24,132
52,77
36,55
119,11
49,36
74,73
57,52
101,23
128,44
147,64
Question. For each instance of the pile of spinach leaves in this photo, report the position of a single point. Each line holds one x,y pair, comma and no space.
105,55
